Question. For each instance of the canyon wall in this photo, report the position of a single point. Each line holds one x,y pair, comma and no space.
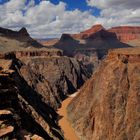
31,53
33,84
53,78
126,33
19,117
107,106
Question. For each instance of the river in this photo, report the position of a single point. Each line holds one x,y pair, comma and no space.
65,125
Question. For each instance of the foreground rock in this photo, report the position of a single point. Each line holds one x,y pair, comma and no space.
32,85
107,106
19,117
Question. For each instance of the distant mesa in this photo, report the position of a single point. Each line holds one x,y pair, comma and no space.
91,45
97,37
126,33
123,33
17,39
102,34
87,33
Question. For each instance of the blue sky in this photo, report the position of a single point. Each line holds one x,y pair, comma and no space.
51,18
78,4
71,5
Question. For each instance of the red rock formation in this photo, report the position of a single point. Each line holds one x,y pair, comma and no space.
96,39
86,33
107,107
126,33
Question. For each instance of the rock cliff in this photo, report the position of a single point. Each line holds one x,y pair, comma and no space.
107,106
33,85
88,32
53,78
126,33
18,117
31,53
85,45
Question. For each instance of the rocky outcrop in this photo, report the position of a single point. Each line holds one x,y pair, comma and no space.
97,39
88,32
19,116
31,53
102,34
21,37
126,33
14,34
52,78
89,57
107,106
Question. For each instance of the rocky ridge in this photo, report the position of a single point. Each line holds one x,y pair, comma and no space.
25,118
107,106
17,40
88,32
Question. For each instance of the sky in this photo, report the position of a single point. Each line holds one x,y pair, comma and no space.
51,18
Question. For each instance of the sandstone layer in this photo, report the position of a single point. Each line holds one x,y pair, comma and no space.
126,33
107,106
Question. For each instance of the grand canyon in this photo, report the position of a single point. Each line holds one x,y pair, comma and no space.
79,86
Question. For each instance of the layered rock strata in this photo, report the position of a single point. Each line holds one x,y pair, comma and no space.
107,106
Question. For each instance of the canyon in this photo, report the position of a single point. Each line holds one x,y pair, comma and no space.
37,83
33,83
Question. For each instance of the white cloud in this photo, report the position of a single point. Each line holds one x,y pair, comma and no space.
45,19
50,20
117,12
114,3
